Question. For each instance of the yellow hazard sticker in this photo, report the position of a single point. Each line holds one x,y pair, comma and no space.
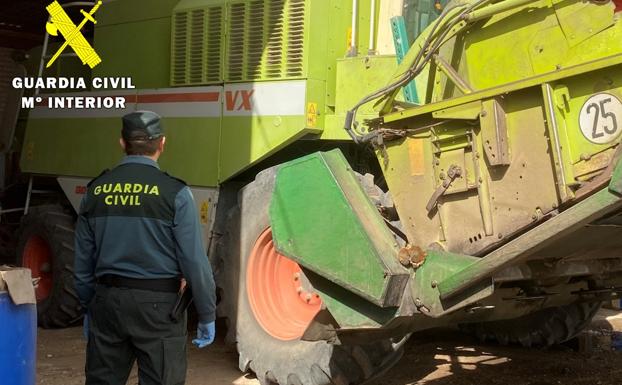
30,150
311,114
204,212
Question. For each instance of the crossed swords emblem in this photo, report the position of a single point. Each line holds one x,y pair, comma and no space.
60,21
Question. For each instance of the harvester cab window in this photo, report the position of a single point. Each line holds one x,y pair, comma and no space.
418,14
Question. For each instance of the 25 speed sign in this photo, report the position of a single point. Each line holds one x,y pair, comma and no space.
601,118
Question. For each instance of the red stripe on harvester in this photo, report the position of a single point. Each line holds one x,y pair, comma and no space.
160,98
129,98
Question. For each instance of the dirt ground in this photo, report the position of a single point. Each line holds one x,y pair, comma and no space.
434,358
60,361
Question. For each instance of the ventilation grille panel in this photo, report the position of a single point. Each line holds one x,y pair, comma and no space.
197,38
266,40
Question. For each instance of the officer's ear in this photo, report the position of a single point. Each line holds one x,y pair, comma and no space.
162,142
122,143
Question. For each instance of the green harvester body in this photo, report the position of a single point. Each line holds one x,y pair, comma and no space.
505,102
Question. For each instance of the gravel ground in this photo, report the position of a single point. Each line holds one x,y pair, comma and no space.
442,357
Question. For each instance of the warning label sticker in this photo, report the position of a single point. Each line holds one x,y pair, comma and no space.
311,115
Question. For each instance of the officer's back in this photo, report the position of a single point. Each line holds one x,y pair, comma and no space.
132,212
137,235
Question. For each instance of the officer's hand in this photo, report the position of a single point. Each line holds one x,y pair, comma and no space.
85,327
206,331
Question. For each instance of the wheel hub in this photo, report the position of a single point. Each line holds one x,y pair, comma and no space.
280,296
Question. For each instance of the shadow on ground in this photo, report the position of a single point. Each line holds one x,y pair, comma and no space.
448,357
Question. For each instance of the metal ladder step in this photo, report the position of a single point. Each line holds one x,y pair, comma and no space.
44,51
72,54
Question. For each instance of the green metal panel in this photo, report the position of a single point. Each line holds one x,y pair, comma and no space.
582,214
246,140
322,218
53,146
495,199
362,27
438,267
569,71
519,126
569,95
355,77
200,167
133,39
138,49
130,11
85,147
549,44
350,311
327,42
563,31
179,42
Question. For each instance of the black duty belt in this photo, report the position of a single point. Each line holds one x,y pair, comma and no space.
159,284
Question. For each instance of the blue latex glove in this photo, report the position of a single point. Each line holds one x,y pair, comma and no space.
206,331
85,327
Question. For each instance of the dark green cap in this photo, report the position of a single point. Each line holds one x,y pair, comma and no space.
142,125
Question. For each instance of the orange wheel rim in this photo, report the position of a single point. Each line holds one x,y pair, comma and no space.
37,256
280,296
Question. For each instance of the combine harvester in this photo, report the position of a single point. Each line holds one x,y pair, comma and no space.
477,184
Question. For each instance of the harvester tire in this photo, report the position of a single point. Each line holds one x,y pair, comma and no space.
273,360
543,328
45,246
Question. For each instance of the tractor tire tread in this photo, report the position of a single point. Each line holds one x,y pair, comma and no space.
276,362
62,307
546,327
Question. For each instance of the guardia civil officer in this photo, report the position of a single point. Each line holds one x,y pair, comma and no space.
137,236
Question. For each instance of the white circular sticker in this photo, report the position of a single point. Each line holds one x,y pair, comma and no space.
601,118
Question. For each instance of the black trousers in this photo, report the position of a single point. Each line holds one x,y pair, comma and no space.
126,325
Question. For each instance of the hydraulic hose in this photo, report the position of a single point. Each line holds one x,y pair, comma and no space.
430,46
